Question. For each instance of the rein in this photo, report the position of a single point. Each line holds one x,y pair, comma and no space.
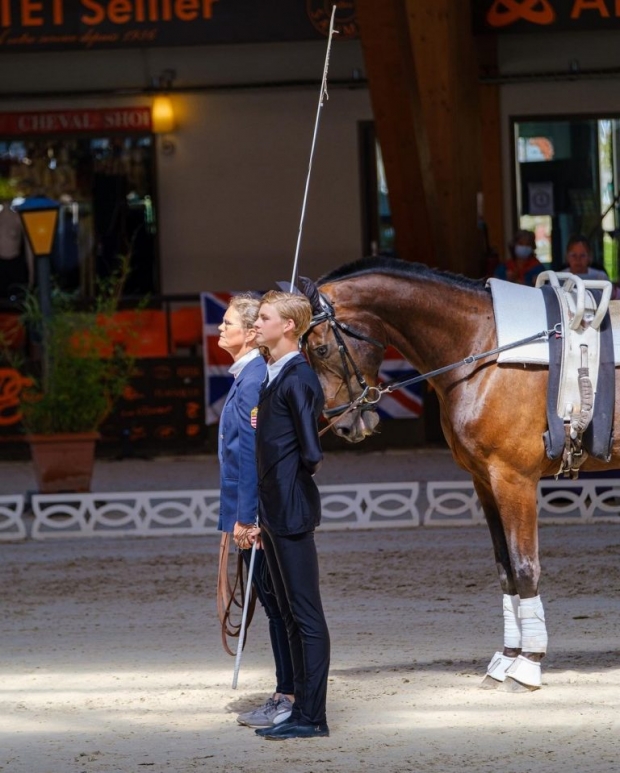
363,401
392,386
231,596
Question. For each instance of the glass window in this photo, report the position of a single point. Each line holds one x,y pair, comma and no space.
567,175
105,186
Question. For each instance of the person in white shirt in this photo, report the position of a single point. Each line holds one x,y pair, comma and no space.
579,259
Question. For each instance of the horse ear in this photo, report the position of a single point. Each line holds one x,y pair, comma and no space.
310,290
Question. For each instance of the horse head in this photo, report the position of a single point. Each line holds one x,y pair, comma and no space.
345,349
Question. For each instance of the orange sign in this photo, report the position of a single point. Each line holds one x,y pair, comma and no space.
11,384
506,16
505,12
38,25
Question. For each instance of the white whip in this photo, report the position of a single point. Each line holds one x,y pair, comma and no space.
246,604
323,95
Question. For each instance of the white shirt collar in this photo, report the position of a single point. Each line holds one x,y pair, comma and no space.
240,364
273,370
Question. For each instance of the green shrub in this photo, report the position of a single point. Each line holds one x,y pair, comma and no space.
83,369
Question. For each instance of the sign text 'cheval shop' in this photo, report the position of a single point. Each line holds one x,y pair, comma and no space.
87,121
517,16
37,25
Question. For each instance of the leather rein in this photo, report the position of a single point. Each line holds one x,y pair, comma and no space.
230,596
370,395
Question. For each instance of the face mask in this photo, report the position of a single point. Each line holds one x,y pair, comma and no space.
523,251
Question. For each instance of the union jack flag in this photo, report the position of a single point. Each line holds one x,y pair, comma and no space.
403,404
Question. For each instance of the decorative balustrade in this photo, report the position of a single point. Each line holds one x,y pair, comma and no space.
361,506
12,526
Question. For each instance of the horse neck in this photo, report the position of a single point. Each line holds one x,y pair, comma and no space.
430,321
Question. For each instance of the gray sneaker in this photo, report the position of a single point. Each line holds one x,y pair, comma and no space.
273,712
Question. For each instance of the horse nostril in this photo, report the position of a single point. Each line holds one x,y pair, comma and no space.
343,431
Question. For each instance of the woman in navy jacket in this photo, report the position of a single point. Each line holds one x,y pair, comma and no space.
239,490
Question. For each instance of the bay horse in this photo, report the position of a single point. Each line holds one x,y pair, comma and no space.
493,417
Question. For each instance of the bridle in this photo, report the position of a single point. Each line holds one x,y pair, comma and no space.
366,399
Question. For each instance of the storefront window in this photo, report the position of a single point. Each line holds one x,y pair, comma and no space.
105,186
567,181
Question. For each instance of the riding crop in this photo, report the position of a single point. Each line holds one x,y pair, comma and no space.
244,615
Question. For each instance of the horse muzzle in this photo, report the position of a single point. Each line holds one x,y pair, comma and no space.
356,425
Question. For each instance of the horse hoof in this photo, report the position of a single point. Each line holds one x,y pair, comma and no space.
512,686
488,683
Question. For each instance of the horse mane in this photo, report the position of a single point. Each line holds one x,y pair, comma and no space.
395,267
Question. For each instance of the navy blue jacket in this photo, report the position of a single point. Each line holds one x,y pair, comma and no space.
288,450
236,448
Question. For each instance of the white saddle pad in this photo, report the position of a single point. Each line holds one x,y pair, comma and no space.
520,312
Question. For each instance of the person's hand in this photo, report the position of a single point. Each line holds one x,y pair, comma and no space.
245,535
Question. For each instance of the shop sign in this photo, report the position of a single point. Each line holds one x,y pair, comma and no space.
505,16
37,25
46,122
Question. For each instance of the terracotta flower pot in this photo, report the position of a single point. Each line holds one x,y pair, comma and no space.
63,463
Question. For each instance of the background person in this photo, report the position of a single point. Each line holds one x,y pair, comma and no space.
288,454
239,490
579,258
522,266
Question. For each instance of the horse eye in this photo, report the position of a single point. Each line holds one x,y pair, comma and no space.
321,351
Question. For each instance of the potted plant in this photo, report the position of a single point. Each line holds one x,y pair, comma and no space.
82,371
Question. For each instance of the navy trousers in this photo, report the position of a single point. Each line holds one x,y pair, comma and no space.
294,569
278,635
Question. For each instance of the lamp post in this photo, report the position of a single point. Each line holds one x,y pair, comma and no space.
39,216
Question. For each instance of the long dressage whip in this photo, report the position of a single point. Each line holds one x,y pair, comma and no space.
322,97
244,615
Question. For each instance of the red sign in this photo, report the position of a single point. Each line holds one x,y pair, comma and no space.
119,119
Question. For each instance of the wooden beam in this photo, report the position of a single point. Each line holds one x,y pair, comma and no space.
422,69
492,188
400,127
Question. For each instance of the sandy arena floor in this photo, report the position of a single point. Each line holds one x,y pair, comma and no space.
112,662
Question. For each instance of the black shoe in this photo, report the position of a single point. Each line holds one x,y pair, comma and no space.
265,730
294,729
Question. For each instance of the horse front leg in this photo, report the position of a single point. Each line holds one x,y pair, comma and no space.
515,496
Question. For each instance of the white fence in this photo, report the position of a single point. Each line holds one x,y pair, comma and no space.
364,506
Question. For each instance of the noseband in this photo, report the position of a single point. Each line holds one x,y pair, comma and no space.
348,363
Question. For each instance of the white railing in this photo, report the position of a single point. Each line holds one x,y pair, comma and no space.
363,506
12,526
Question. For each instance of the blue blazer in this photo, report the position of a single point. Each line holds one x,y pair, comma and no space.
236,448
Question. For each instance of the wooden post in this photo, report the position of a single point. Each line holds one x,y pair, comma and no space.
422,68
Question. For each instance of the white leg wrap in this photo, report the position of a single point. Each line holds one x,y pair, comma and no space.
498,666
533,628
512,624
525,671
